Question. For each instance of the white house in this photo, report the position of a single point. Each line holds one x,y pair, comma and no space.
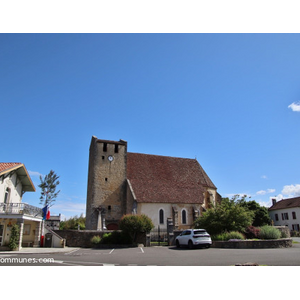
14,182
286,213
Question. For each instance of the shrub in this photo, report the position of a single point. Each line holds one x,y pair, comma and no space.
234,235
269,233
134,225
219,237
117,238
14,237
96,239
295,233
252,232
226,236
106,238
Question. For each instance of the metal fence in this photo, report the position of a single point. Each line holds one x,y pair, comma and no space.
158,236
20,209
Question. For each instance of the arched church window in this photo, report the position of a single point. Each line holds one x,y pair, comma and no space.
183,216
161,216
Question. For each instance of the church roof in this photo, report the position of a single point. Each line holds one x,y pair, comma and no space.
164,179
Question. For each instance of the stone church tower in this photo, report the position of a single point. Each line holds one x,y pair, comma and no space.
106,193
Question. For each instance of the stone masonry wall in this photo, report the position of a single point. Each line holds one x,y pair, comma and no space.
82,238
79,238
106,182
248,244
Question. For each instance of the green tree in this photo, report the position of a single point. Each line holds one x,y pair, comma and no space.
48,186
14,237
229,215
73,223
261,215
134,225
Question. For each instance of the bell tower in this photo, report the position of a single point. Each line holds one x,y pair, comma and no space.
106,191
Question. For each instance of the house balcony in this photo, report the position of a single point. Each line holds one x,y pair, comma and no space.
18,210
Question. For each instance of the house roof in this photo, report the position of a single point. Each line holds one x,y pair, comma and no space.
5,167
19,168
164,179
286,203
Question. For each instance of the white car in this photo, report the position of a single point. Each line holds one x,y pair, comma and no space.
194,237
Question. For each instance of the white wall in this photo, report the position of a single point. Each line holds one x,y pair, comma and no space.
152,211
288,222
15,190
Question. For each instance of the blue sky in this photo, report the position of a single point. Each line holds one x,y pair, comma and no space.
230,100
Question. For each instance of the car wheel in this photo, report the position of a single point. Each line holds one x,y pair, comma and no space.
177,244
190,244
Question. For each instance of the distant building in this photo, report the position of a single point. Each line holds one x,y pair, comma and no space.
53,222
286,213
161,187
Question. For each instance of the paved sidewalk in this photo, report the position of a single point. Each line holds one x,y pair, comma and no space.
39,250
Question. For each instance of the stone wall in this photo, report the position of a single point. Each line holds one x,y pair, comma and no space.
106,183
82,238
257,244
284,230
247,244
78,238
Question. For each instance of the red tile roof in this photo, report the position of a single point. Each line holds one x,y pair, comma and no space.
164,179
7,166
286,203
27,184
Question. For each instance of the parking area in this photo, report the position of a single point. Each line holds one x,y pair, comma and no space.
159,256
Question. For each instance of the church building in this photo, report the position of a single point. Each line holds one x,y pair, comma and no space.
161,187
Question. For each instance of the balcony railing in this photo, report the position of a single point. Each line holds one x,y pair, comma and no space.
20,209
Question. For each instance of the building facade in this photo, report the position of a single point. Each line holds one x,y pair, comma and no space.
53,222
14,182
161,187
286,213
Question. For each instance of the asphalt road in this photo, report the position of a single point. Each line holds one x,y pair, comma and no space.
157,256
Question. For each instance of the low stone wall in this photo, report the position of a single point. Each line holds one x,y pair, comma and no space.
249,244
285,232
82,238
79,238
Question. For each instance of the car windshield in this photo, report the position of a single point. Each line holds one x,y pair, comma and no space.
200,232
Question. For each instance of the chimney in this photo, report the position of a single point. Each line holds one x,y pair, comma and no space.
273,201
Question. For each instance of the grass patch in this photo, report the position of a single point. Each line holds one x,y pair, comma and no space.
159,244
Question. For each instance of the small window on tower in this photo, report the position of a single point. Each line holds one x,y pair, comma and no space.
104,147
109,207
116,148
